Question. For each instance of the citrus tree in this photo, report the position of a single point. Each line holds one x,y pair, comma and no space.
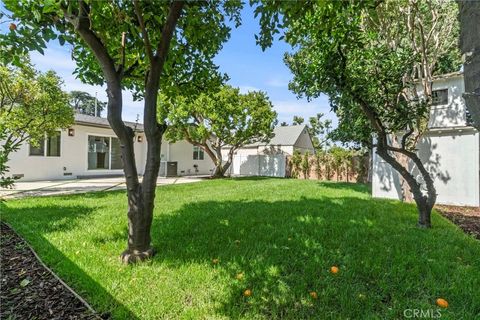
225,119
372,58
141,46
32,105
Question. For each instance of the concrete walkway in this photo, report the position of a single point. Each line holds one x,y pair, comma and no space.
60,187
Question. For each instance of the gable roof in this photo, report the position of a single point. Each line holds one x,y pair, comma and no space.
286,135
91,121
282,136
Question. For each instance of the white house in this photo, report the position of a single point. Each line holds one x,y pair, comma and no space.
450,150
269,158
89,148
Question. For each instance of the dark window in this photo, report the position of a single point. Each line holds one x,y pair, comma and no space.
53,145
198,153
439,97
39,149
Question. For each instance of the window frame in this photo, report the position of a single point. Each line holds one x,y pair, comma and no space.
59,145
102,135
44,144
440,103
198,151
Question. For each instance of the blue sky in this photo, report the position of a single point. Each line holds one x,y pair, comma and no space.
248,67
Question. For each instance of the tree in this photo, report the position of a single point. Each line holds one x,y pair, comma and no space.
225,119
371,64
136,45
297,120
82,102
32,105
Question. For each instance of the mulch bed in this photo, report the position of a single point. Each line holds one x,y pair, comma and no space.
28,290
467,218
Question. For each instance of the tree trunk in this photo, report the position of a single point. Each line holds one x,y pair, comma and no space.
222,168
424,203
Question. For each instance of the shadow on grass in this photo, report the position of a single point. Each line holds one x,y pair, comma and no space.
65,218
285,249
358,187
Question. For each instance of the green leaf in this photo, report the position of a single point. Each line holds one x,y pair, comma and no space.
24,283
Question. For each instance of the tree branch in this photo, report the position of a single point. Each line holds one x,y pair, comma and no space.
141,22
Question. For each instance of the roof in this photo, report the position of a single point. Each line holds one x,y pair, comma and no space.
92,121
282,135
448,75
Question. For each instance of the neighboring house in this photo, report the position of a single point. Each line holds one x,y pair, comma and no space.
450,150
269,158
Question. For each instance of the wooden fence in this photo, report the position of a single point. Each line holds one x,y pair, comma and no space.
354,169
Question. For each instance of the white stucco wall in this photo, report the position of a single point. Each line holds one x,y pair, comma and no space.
182,153
73,157
449,150
452,114
452,158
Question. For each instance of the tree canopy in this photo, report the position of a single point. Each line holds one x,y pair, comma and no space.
32,104
223,119
376,62
142,46
84,103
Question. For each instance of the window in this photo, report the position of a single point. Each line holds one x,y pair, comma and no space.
104,153
439,97
51,144
198,153
39,149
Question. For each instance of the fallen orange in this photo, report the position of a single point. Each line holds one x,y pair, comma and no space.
239,276
442,303
247,293
313,294
334,269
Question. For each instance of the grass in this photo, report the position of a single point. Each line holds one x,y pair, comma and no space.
289,232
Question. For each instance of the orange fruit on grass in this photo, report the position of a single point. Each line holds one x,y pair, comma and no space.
442,303
239,276
313,294
334,270
247,293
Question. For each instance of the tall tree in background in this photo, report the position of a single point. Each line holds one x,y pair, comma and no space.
225,119
32,106
82,102
371,64
137,45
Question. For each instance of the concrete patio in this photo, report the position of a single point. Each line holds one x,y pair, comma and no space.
61,187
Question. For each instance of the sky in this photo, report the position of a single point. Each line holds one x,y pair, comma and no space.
248,67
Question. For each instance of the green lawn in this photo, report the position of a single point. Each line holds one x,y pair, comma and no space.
290,233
